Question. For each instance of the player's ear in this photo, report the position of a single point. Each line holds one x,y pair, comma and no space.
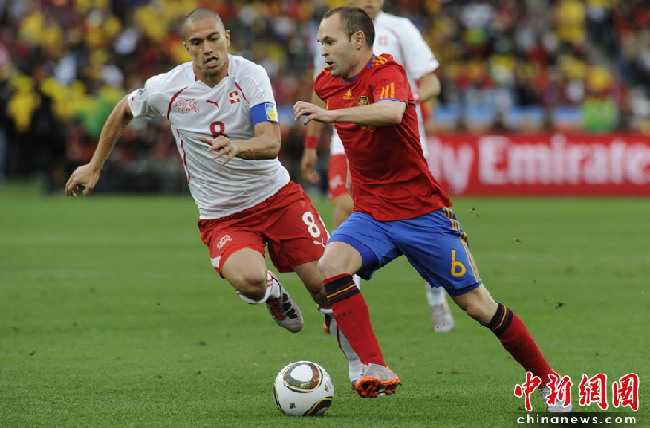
359,39
228,38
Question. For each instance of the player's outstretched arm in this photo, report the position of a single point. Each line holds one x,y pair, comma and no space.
384,112
86,176
312,137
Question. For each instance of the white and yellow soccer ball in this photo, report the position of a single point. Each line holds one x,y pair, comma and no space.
303,388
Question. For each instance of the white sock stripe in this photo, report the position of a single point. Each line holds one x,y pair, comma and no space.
251,301
327,311
272,285
357,281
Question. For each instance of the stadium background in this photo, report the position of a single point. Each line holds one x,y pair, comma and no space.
531,67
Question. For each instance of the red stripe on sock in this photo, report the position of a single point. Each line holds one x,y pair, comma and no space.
516,339
353,319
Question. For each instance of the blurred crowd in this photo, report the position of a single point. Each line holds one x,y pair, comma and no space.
505,66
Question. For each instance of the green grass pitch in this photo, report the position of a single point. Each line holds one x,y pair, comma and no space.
111,315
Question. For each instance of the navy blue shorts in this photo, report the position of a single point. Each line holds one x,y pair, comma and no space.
435,245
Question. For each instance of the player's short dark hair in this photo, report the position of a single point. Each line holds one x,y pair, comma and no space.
200,13
355,19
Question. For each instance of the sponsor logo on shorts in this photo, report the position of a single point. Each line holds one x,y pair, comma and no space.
223,241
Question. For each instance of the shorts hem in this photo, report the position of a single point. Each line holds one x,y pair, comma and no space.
459,292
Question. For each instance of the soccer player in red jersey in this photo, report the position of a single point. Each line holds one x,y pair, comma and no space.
399,37
399,207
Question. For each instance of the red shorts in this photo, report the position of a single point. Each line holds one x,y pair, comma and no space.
337,174
287,222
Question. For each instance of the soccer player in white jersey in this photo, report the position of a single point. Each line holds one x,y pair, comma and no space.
400,38
223,116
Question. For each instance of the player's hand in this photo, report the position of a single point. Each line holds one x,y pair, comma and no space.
308,166
310,112
84,176
223,146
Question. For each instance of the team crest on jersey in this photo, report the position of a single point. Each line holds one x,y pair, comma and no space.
379,60
234,97
348,95
362,100
186,106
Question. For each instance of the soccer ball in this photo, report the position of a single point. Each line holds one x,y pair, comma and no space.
303,388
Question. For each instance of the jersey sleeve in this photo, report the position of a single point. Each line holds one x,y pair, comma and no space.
390,83
256,85
141,101
257,89
419,60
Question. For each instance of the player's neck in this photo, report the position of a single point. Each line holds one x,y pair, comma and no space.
358,68
213,79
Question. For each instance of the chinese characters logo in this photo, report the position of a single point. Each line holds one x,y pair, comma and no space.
591,390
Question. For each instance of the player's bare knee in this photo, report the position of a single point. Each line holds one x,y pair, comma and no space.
480,310
251,286
474,310
339,258
329,267
478,304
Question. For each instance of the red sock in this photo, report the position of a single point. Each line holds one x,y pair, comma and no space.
516,339
351,315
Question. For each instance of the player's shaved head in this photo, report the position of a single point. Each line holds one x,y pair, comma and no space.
354,19
201,13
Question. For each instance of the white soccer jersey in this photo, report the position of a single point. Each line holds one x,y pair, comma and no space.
194,110
400,38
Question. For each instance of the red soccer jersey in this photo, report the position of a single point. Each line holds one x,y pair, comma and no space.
390,177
